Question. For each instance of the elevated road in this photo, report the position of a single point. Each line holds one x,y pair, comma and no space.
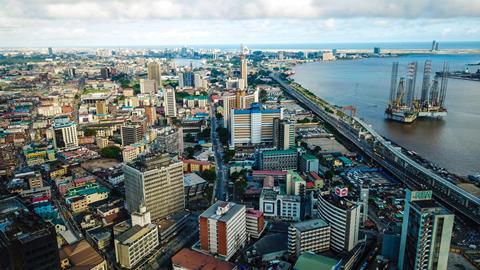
411,173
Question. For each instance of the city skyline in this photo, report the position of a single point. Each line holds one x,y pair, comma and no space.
148,23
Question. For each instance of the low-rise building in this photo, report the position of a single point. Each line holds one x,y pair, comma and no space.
187,259
81,256
135,243
255,221
194,185
274,205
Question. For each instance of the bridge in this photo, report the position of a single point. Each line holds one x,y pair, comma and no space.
390,157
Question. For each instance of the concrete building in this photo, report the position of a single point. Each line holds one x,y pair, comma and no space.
134,244
81,255
169,103
186,79
200,102
131,133
26,241
252,126
169,139
156,181
283,134
344,219
255,222
426,233
223,229
187,259
65,133
101,107
148,86
328,56
194,185
151,114
308,236
243,71
308,163
155,73
277,160
285,207
295,184
239,99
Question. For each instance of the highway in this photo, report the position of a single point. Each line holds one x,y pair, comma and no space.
220,186
411,173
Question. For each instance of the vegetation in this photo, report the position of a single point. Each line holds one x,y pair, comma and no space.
111,152
189,151
209,175
229,154
223,135
89,132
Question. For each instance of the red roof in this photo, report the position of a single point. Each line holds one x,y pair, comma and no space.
253,212
315,176
310,184
189,259
257,172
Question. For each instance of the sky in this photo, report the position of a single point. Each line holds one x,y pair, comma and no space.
42,23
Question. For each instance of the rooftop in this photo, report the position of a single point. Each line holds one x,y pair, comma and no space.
223,211
312,261
192,179
189,259
279,152
310,225
134,233
81,255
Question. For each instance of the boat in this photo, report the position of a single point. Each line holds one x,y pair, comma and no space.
404,116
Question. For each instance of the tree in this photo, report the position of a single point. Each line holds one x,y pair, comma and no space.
218,115
136,88
190,152
111,152
197,147
263,96
329,174
89,132
223,135
209,175
229,154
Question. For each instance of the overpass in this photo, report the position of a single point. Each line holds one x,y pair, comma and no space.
408,171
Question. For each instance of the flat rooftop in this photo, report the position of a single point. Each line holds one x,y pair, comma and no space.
233,209
310,225
134,233
189,259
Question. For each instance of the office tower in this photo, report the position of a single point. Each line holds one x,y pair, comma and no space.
283,134
148,86
252,126
186,79
131,133
156,181
255,222
427,70
71,72
426,233
277,160
105,73
50,51
199,82
243,70
376,50
135,244
239,99
295,184
155,73
65,133
308,163
151,113
223,229
434,45
344,218
308,236
169,140
411,81
26,241
101,107
169,103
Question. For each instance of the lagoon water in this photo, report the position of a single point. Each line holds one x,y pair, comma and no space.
453,143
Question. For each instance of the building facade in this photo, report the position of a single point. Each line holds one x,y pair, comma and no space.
134,244
169,103
65,133
308,236
277,160
283,134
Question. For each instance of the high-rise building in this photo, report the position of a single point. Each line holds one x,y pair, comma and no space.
101,107
434,45
295,184
131,133
169,140
308,163
155,72
186,79
426,233
223,229
243,71
156,181
135,244
105,73
285,207
26,241
283,134
65,133
151,113
50,51
376,50
344,218
169,103
255,222
252,126
308,236
148,86
240,99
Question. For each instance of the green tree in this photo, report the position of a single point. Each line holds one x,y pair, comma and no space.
136,88
111,152
329,174
223,135
263,96
89,132
190,152
229,154
209,175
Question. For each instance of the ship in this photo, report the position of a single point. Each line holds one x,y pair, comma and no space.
404,107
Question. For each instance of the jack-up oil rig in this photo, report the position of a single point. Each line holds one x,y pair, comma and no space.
404,107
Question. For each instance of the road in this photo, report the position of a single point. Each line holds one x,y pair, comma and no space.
220,186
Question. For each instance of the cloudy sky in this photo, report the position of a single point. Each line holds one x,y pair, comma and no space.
188,22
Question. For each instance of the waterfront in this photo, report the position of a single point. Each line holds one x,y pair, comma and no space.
451,143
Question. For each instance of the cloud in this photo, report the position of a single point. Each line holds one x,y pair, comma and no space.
237,9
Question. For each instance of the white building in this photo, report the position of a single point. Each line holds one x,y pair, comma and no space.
223,229
169,102
65,133
135,243
312,235
344,219
284,207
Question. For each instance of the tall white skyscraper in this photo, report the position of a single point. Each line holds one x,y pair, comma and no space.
169,103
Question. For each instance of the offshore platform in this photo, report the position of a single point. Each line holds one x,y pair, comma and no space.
403,106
